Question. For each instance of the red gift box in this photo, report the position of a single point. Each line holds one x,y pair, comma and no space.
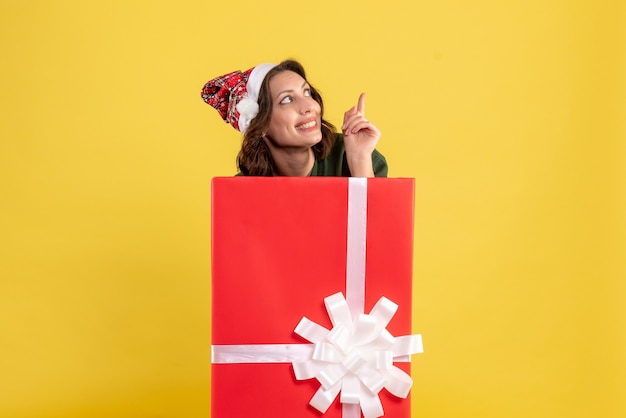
280,246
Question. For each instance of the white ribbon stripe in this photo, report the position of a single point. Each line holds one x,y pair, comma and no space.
260,353
355,358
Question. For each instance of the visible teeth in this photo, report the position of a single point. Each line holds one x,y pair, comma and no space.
307,125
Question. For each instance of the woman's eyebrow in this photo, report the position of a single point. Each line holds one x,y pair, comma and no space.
289,90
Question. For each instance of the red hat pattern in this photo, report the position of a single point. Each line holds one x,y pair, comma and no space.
235,95
224,92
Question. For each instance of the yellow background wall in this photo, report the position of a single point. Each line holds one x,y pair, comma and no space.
509,114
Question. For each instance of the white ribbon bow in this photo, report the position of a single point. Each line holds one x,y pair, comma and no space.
356,357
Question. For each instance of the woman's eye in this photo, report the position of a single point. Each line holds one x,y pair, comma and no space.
286,99
307,92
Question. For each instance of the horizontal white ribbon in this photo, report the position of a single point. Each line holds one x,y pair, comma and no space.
260,353
270,353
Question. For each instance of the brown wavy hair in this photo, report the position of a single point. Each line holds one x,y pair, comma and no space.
255,158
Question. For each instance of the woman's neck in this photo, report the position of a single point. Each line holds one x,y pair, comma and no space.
292,162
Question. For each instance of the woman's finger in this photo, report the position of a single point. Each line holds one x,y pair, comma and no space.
348,119
359,125
361,105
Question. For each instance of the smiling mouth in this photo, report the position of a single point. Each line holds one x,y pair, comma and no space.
307,125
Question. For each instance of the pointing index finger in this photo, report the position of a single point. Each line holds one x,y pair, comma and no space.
361,106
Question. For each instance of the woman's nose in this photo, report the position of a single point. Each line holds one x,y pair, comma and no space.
307,107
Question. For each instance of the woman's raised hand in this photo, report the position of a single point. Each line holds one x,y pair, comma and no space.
360,138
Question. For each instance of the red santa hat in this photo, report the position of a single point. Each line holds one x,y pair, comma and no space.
235,95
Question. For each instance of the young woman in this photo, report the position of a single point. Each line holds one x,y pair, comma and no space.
281,117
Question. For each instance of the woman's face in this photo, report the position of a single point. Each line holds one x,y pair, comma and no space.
295,121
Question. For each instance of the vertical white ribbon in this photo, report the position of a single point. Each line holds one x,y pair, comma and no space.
356,245
355,261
